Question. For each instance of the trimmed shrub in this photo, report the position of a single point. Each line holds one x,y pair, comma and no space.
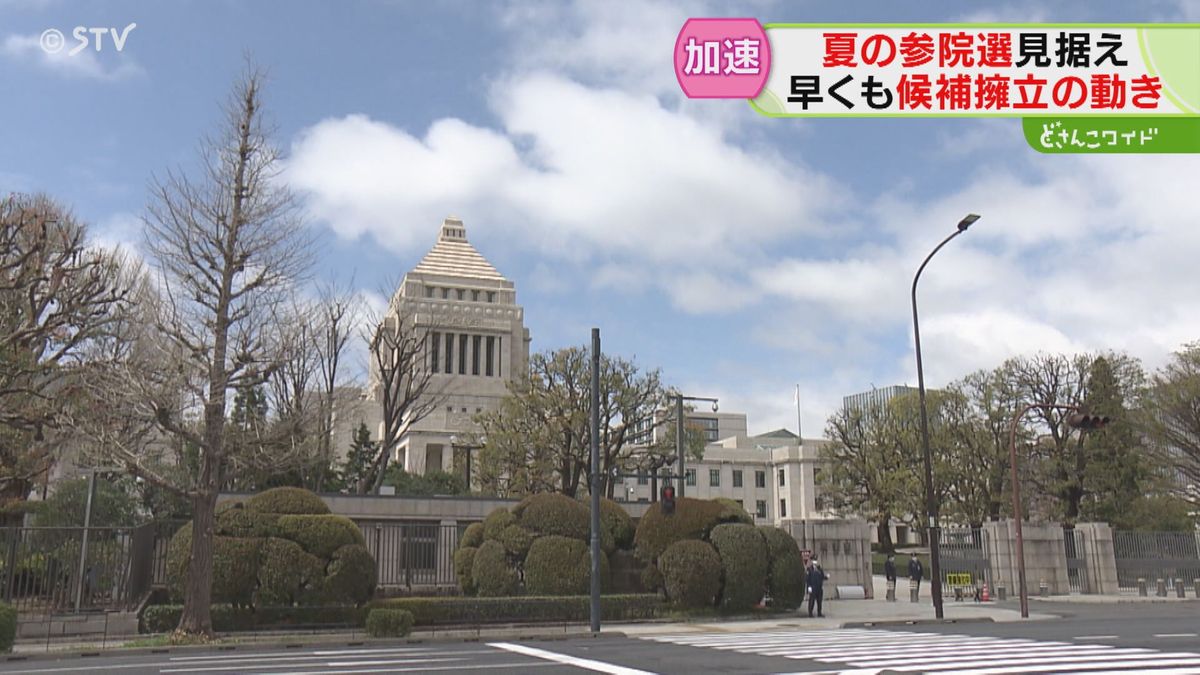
464,559
490,571
179,557
561,566
472,536
496,521
693,519
477,611
8,627
744,556
691,572
351,576
652,579
734,511
786,582
287,575
516,540
554,513
616,526
785,576
287,500
389,622
320,535
235,570
237,521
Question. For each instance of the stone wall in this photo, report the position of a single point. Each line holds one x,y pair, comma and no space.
843,547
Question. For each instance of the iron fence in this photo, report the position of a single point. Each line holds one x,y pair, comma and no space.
1156,555
413,553
964,557
1077,568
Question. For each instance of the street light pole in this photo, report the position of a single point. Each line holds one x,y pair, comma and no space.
931,506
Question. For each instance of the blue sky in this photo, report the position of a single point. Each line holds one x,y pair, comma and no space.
740,254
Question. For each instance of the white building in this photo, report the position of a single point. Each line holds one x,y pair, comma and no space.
771,474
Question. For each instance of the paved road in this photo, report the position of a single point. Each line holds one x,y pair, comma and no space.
1157,640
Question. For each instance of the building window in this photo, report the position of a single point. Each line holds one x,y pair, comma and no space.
491,355
760,508
474,296
714,477
690,476
643,478
491,296
708,425
445,293
737,478
462,354
429,291
760,479
783,508
499,357
476,343
462,295
435,343
781,478
449,353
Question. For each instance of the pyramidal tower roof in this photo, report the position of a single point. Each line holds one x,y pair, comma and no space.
454,256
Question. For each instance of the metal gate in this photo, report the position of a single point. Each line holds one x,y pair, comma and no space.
1077,569
413,553
964,558
1156,555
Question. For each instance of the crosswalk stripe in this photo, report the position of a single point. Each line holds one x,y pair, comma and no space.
875,650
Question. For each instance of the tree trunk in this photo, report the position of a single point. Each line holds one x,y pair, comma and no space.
886,545
197,603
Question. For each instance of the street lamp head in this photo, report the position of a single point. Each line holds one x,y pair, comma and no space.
967,222
714,406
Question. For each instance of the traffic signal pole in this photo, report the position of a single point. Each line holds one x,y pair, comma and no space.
595,481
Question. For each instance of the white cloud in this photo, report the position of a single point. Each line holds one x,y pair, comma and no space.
84,64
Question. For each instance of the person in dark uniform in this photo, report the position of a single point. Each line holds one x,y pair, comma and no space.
889,568
915,571
816,586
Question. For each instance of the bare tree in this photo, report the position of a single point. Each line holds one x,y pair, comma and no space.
403,383
338,310
58,297
228,246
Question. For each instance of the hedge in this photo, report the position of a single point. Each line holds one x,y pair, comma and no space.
743,553
235,570
652,579
692,519
351,575
561,566
554,513
8,626
739,511
389,622
464,560
691,572
289,500
496,521
476,611
472,536
491,573
320,535
228,619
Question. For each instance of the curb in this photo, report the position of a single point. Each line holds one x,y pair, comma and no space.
298,644
916,622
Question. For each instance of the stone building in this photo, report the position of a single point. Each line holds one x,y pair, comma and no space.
475,342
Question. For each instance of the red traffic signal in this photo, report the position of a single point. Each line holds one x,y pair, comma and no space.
1086,421
667,499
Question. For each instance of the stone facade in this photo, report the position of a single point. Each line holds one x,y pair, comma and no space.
475,342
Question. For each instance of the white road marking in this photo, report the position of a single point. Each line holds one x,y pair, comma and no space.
478,666
589,664
1097,637
1174,635
260,665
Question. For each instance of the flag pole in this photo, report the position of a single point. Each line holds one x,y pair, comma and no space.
799,433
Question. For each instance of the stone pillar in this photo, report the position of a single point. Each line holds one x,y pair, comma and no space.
1100,557
1045,556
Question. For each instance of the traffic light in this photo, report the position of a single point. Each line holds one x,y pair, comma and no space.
1082,420
667,499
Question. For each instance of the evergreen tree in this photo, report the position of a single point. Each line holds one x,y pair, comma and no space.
360,457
